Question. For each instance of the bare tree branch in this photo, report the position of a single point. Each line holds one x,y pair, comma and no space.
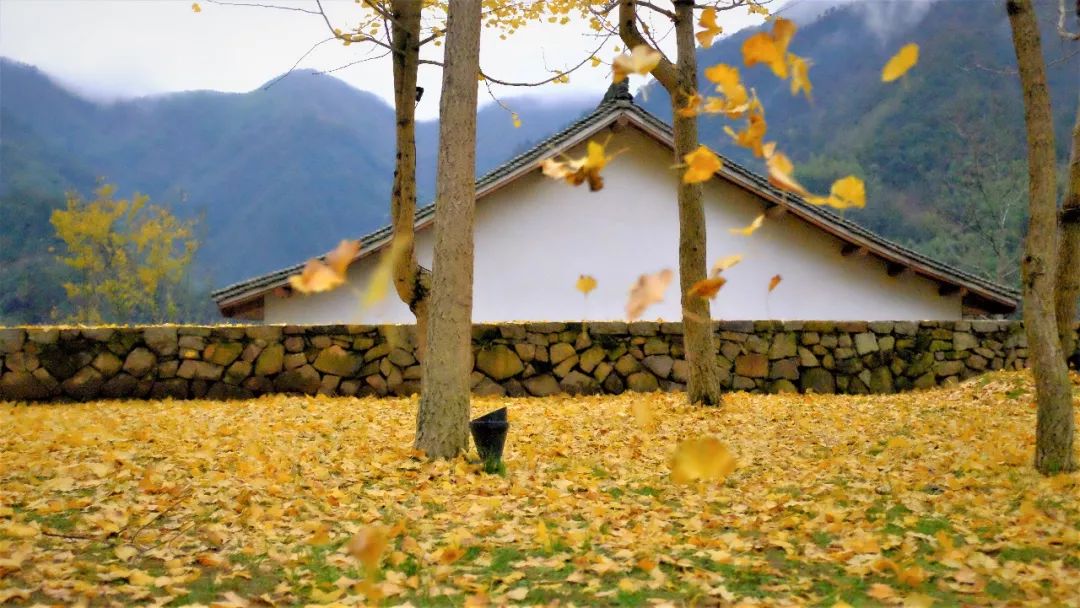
279,7
290,70
1062,17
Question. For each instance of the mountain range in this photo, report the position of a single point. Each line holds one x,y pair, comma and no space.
281,173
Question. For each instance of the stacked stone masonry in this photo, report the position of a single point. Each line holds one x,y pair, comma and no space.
183,362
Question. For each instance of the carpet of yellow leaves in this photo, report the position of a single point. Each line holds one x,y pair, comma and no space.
915,499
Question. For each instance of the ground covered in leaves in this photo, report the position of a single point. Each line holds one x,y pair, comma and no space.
917,499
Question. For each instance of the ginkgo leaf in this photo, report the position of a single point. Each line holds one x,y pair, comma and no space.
195,8
339,259
845,193
648,290
368,546
692,107
382,276
780,173
578,171
773,282
707,288
800,75
516,120
701,165
585,284
724,263
735,99
701,459
641,60
900,63
770,48
750,229
753,136
711,29
316,277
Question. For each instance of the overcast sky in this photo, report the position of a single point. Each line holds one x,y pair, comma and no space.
124,48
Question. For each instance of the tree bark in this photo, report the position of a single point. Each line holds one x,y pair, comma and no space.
680,81
411,282
1068,276
1054,426
704,384
442,429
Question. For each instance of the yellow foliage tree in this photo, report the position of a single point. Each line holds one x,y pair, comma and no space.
129,256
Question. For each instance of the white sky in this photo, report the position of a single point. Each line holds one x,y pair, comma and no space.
124,48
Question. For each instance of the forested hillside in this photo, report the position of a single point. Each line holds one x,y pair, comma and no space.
280,174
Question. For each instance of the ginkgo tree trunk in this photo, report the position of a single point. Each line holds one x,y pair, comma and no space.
1068,278
442,429
411,282
680,81
1054,425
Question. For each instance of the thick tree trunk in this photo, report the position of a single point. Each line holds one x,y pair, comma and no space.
704,384
1054,427
1068,277
680,80
410,281
442,429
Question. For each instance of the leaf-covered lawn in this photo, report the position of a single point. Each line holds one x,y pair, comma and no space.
902,500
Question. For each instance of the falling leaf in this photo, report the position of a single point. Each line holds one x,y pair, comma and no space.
368,546
800,75
701,458
724,263
753,136
339,259
383,274
900,63
707,288
773,282
516,120
748,230
195,8
770,48
692,107
701,164
845,193
580,170
780,173
711,29
585,284
642,413
641,60
735,100
648,290
318,276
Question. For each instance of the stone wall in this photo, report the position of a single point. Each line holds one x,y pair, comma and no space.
70,363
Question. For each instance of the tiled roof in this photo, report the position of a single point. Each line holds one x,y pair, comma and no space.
608,110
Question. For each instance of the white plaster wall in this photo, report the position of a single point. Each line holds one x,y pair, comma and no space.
535,236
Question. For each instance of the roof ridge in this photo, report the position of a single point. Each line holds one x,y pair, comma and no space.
617,103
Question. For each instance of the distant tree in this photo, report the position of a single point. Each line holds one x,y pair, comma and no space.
1055,425
130,258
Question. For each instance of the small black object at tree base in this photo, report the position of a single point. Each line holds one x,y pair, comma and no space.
489,435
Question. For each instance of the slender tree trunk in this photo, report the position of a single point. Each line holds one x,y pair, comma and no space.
442,429
680,80
704,385
1054,427
410,281
1068,277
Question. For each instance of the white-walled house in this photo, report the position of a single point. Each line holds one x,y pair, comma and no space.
535,236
